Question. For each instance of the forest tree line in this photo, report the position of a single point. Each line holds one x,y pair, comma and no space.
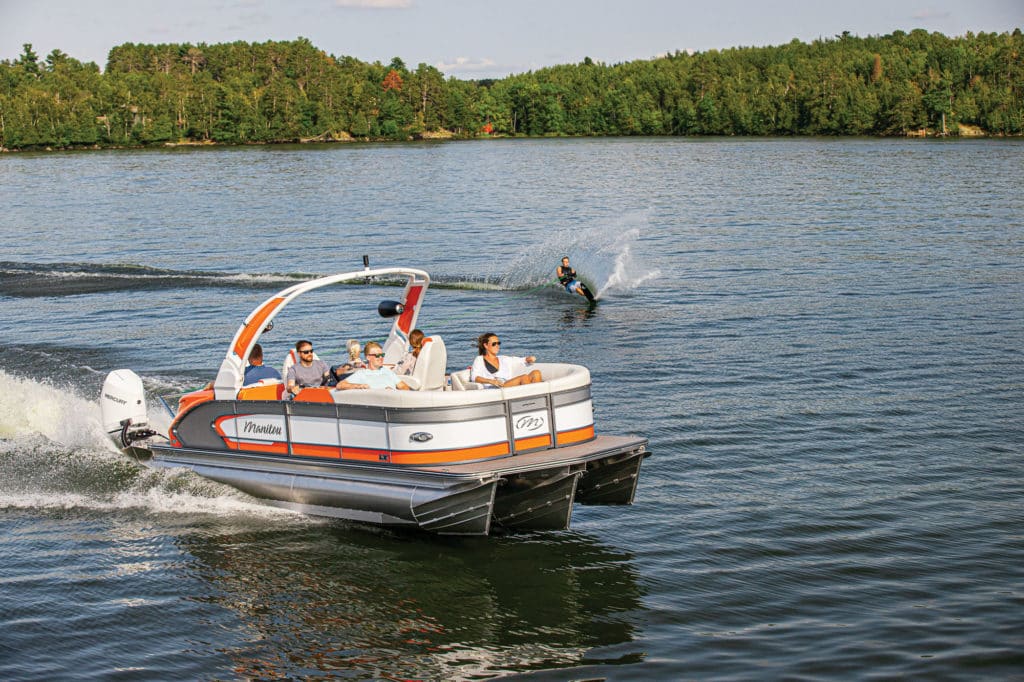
240,92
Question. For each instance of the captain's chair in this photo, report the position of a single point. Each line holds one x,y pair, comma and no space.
431,364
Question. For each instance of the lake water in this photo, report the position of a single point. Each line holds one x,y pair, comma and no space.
822,338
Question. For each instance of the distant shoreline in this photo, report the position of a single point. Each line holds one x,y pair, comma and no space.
915,84
975,134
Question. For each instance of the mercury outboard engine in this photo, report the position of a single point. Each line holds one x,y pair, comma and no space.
123,406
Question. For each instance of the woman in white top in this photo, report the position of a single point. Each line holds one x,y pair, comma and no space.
495,370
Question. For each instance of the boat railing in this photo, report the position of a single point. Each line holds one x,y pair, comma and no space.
558,377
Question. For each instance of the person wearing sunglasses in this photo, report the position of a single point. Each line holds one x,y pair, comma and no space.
374,376
308,371
494,371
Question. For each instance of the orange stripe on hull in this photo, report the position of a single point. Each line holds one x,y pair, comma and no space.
576,435
277,448
408,457
427,457
307,450
273,448
533,442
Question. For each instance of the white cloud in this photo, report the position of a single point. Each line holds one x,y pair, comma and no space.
467,65
375,4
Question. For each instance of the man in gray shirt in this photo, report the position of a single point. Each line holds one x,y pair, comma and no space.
307,371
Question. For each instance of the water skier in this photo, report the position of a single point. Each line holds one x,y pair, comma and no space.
567,278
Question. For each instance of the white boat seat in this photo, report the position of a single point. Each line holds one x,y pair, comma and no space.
461,382
431,364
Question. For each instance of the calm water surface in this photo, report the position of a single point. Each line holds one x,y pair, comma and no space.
821,338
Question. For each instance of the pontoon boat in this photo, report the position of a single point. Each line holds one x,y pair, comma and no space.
449,457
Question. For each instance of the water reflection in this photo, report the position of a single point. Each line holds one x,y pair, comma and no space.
385,605
579,316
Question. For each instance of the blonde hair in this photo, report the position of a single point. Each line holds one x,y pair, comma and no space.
371,344
353,348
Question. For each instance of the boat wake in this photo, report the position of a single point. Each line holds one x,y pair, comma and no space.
27,280
602,254
54,456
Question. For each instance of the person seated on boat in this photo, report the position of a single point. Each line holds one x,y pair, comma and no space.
354,362
374,376
407,364
495,370
308,371
567,278
256,370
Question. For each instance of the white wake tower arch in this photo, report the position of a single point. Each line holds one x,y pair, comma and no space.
232,368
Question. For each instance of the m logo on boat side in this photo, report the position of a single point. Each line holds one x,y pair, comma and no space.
528,423
254,428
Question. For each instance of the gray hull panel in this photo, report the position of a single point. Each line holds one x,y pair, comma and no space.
533,491
391,496
611,480
467,512
540,500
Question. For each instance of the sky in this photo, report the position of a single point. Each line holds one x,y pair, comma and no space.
472,39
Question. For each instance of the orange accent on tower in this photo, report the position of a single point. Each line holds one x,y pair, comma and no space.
254,326
413,298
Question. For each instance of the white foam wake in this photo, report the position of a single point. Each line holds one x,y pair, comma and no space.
36,408
54,455
155,500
